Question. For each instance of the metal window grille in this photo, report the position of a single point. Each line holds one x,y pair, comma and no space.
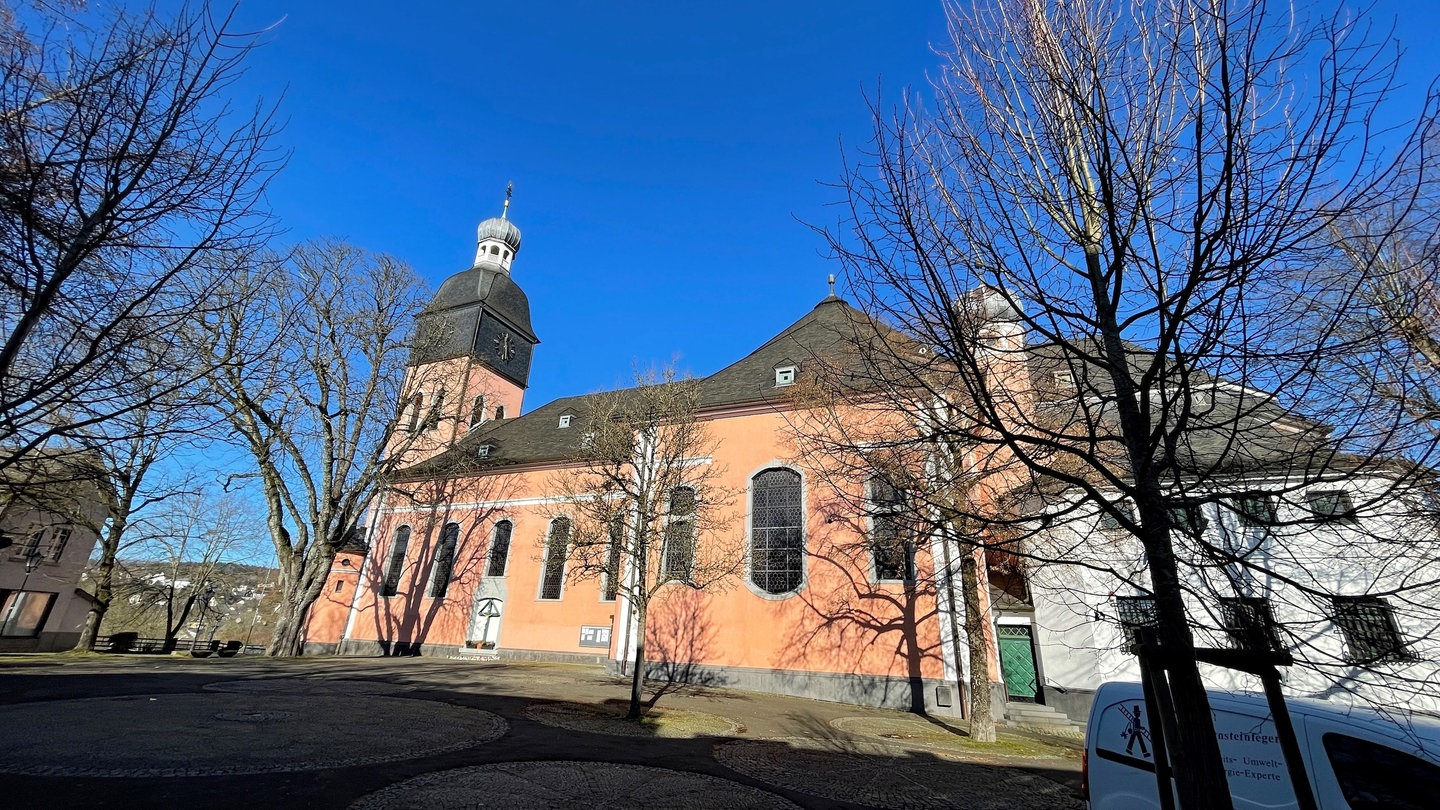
1368,625
1331,505
557,545
679,551
777,538
1250,624
499,549
391,585
1136,613
32,543
612,560
1255,510
891,551
1188,519
444,560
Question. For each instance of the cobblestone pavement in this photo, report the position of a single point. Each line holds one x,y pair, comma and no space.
568,784
118,731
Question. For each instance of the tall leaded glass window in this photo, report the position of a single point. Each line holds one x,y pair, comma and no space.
611,585
679,552
444,560
777,534
557,544
499,549
396,564
891,548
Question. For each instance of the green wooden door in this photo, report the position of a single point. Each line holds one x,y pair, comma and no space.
1017,663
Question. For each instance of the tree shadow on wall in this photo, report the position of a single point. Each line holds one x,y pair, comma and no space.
679,639
404,623
843,625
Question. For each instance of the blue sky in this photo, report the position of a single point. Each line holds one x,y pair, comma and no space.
665,155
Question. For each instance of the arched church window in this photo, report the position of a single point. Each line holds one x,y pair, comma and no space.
679,552
494,251
417,405
557,546
777,531
499,549
444,563
391,584
499,411
892,550
477,410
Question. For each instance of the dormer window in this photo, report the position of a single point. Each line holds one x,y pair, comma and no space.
483,451
784,375
565,421
1065,380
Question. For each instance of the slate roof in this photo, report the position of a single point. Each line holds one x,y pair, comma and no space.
818,338
488,285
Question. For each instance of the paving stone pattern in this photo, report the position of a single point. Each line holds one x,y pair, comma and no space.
216,733
885,776
604,720
537,785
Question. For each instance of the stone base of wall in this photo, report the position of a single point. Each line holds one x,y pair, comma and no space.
320,648
880,691
366,647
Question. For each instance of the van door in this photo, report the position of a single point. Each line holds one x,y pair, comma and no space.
1122,769
1356,769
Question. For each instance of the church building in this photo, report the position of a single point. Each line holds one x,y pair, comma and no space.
466,553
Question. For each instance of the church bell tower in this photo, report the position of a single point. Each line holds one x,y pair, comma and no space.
474,343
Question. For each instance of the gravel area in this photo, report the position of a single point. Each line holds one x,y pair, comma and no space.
886,776
544,785
216,733
605,719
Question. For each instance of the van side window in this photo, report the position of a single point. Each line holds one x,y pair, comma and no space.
1377,777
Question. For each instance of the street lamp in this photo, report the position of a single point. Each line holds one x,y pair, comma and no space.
32,561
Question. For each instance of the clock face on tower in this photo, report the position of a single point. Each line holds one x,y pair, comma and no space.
503,349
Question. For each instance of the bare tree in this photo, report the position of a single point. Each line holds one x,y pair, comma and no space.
179,553
645,503
127,183
1114,198
133,449
310,364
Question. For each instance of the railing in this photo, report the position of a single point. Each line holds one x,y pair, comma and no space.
131,643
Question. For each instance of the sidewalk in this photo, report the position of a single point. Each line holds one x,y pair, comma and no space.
118,731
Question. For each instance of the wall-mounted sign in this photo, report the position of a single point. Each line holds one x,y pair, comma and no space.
594,636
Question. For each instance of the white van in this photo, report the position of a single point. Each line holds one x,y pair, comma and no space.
1355,759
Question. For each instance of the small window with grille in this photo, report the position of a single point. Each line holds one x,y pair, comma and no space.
1250,624
784,375
565,421
1188,519
1371,634
1137,614
1064,380
1255,511
1331,505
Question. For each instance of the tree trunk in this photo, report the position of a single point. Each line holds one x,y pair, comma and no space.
637,677
982,709
289,638
104,579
